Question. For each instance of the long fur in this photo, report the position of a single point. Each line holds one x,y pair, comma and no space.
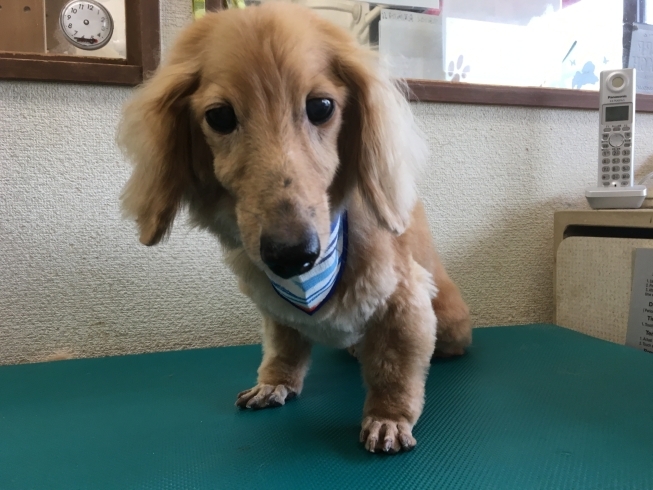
277,173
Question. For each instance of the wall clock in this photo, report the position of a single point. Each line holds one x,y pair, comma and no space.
86,24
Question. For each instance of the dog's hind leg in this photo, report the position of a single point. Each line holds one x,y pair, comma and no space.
286,355
454,331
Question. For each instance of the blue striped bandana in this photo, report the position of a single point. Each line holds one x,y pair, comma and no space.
311,290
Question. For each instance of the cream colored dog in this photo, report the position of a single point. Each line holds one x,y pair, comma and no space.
268,124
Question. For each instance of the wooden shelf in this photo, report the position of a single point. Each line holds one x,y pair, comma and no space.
468,93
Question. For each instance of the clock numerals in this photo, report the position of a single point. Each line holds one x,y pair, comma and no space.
79,25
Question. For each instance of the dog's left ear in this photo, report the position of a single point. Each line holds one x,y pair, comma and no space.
379,144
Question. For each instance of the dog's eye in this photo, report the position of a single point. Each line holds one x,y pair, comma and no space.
319,111
222,119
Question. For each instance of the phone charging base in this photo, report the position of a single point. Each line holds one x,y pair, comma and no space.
616,197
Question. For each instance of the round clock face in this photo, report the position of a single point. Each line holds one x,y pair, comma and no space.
87,24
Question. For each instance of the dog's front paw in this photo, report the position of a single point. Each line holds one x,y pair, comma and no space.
388,436
264,396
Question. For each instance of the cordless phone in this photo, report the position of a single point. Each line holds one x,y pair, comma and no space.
615,183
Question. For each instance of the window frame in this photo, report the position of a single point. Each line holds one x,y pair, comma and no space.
472,93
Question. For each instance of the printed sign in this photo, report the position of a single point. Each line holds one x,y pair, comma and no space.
640,320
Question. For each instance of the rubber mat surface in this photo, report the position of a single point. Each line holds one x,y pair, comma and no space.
536,407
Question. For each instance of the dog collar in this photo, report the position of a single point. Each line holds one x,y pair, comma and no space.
309,291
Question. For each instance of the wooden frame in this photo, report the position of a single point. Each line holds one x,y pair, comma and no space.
143,53
213,5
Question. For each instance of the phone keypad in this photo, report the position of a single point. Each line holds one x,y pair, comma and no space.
616,151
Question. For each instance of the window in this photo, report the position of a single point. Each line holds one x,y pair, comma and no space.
505,51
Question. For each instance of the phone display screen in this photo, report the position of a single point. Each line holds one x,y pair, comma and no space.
617,113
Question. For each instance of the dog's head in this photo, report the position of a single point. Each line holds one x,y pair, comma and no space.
280,115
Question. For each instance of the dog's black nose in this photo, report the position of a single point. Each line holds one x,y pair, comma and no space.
288,260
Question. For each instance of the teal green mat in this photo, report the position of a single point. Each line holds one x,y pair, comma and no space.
534,407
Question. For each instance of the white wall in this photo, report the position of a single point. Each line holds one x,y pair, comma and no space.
75,281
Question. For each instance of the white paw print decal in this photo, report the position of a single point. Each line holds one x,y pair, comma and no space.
458,72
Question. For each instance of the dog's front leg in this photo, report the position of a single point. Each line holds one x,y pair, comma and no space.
286,355
395,356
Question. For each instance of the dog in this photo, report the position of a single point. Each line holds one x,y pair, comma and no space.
289,142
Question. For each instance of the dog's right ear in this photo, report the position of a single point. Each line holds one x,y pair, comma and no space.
160,137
